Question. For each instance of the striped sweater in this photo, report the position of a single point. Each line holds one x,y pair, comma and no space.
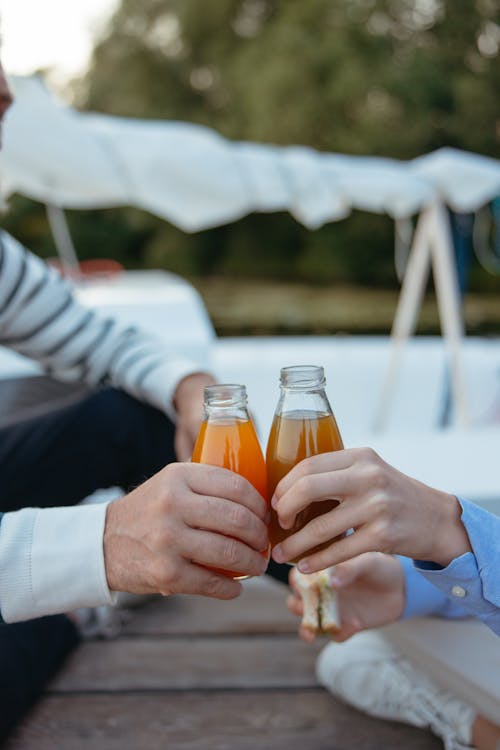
40,318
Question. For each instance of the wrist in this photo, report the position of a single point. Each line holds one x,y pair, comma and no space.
452,539
109,546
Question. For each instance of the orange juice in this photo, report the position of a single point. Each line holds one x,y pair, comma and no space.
232,444
296,435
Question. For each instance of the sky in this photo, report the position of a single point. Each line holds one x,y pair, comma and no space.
53,34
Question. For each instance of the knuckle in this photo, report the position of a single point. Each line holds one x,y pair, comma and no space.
214,586
382,507
237,486
368,455
305,485
381,533
239,517
168,502
375,476
168,536
168,576
229,551
319,527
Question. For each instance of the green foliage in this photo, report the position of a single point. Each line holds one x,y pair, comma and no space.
388,77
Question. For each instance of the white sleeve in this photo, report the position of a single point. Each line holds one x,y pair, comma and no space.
52,561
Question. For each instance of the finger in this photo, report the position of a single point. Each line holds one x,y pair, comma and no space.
346,631
307,635
320,530
344,549
226,517
313,488
183,445
295,605
194,579
219,482
318,464
206,548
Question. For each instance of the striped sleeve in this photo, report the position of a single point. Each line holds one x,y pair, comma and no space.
40,318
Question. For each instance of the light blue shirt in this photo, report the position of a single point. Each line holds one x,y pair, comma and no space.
470,584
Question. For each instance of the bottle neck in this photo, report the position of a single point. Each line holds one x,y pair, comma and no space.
303,378
303,391
225,401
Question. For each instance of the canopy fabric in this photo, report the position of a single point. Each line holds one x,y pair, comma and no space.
194,178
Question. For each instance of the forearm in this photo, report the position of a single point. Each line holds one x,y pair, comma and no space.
40,318
51,560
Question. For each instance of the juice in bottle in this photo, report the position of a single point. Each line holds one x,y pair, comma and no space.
227,438
303,426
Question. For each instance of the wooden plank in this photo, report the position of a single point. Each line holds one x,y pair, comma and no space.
259,609
187,664
310,720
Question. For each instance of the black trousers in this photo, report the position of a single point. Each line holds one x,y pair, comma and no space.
105,439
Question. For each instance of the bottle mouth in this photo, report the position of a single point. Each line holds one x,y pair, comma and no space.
225,394
302,376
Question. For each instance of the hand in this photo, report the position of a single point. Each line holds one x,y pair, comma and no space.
188,402
158,538
389,511
370,593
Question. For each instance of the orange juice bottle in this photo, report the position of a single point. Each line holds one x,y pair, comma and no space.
303,426
227,438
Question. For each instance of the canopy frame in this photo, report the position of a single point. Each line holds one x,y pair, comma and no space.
432,247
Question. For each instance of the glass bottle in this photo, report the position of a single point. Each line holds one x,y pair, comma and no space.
303,426
227,438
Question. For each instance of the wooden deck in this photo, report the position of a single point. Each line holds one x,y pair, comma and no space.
193,674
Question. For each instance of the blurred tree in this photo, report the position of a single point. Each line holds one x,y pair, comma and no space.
388,77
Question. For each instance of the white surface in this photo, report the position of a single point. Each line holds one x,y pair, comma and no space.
193,177
161,303
457,460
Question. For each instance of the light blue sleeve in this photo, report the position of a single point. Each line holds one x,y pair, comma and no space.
423,598
471,582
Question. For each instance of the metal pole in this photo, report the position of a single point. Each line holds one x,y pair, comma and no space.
62,239
409,303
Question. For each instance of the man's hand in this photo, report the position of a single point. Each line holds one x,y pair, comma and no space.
389,511
370,593
188,403
158,538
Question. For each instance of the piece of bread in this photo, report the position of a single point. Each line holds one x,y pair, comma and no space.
319,599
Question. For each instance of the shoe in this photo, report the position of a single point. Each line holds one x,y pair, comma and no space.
370,674
106,622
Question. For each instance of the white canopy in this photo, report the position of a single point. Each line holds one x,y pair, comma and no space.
194,178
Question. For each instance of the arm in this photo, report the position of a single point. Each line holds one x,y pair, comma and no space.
158,539
394,513
40,318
